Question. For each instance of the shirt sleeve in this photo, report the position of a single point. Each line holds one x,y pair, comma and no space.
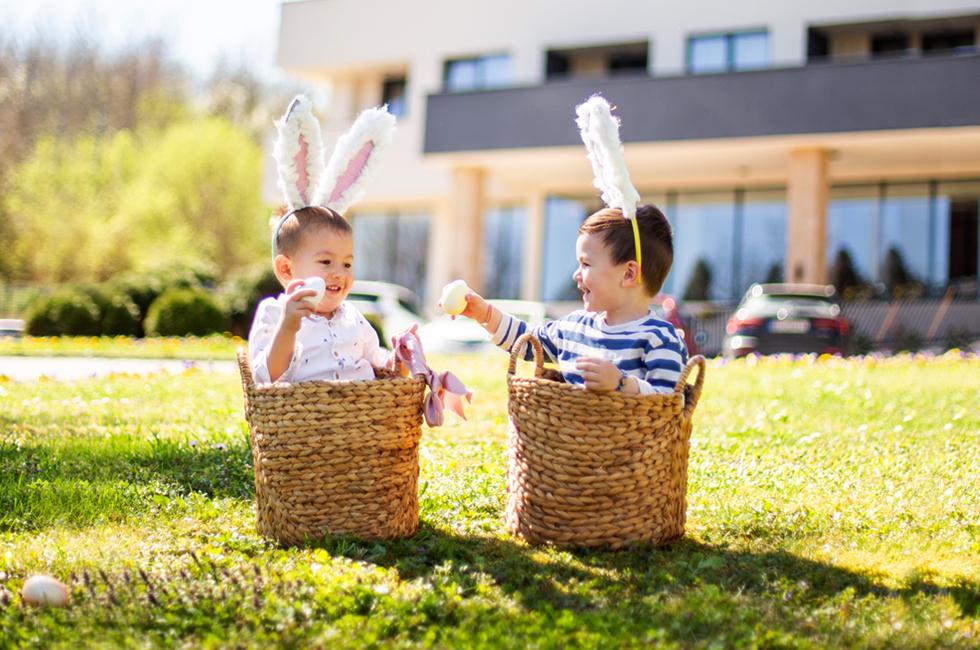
511,328
260,340
376,355
664,363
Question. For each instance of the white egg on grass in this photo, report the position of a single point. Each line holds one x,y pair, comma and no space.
453,298
314,284
44,590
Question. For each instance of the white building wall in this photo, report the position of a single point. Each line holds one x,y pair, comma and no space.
350,44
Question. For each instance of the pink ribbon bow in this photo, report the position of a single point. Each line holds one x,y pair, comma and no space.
445,389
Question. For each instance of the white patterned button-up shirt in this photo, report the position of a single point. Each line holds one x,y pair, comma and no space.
344,346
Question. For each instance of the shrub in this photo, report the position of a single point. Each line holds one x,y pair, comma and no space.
143,288
118,315
184,312
243,293
69,311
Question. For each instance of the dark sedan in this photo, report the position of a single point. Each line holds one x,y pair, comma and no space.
793,318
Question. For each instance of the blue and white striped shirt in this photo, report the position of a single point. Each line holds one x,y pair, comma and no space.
649,349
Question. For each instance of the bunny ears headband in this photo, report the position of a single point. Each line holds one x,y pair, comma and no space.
303,178
600,133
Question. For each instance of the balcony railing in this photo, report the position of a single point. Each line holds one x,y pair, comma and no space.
820,98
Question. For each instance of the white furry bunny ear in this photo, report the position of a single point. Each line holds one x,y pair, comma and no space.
354,159
600,133
299,154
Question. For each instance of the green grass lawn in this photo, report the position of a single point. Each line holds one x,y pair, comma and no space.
215,346
831,503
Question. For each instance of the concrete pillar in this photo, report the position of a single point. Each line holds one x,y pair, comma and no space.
533,252
806,241
439,265
466,204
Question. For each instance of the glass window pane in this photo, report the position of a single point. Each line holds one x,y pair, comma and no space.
707,54
461,75
563,216
763,239
703,233
495,71
851,216
392,248
503,252
957,239
750,51
904,240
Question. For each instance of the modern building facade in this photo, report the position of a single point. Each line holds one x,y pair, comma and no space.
778,137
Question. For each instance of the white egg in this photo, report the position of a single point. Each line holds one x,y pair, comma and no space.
315,284
44,590
453,298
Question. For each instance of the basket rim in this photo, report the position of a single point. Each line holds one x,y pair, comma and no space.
246,366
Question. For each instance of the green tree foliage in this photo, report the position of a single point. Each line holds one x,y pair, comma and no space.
186,195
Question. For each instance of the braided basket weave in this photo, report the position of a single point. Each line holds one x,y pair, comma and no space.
335,457
596,469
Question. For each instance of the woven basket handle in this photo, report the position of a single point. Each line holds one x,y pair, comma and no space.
692,363
518,349
245,368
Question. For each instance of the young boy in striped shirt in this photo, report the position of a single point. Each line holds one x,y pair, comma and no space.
616,342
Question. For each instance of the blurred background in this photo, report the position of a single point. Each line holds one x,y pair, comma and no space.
809,144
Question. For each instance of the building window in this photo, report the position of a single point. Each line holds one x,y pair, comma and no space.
889,44
728,52
962,41
562,217
393,94
911,235
704,228
760,234
597,61
503,250
477,73
392,247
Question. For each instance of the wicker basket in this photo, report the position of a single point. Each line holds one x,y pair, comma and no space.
335,457
596,469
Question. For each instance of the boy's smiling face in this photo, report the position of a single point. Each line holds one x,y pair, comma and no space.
597,277
328,254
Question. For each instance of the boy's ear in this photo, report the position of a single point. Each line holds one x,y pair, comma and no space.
631,275
283,269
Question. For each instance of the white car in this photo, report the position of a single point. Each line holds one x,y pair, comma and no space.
393,306
445,335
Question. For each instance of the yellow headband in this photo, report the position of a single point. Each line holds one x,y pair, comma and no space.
636,242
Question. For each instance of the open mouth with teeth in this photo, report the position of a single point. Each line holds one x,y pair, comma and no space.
334,288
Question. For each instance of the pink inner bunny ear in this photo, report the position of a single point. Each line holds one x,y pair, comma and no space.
302,171
353,171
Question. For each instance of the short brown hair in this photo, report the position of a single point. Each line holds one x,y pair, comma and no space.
306,220
656,241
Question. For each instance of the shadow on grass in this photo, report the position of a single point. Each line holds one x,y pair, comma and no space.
641,581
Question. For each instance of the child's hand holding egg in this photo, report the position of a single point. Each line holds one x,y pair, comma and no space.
453,298
314,284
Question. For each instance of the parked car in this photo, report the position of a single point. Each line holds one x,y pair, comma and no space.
667,309
462,334
794,318
391,307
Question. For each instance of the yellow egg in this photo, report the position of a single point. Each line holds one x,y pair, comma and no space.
44,590
453,298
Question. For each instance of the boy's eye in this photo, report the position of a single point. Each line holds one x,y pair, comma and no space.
327,262
348,265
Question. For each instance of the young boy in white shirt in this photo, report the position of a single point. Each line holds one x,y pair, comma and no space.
291,338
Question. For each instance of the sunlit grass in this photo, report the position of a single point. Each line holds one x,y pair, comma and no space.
831,503
216,346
